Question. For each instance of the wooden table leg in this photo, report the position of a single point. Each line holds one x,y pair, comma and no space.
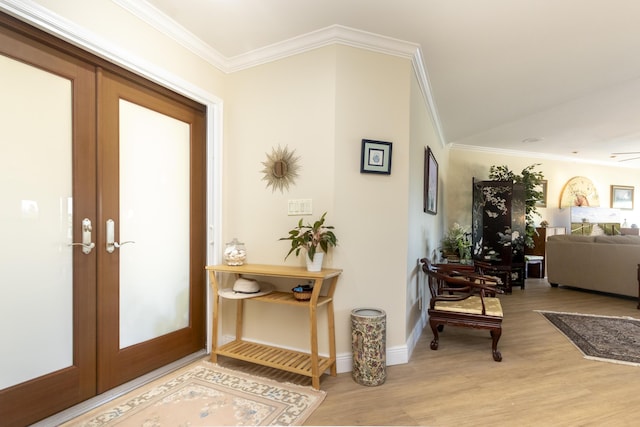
315,370
313,319
214,316
332,338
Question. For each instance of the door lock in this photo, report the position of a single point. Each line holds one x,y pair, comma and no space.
87,244
111,243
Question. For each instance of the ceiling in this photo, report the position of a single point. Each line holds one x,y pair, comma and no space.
550,78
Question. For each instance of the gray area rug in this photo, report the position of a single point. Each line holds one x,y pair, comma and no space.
605,338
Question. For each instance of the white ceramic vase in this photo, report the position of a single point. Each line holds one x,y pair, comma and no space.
316,264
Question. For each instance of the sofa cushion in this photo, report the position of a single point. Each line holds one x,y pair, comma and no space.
573,238
619,240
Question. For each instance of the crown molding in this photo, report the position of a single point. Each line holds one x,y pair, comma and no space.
422,76
46,20
334,34
148,13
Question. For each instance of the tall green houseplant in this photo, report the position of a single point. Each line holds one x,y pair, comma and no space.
532,181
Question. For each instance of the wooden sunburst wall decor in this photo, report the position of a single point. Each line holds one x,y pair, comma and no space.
281,169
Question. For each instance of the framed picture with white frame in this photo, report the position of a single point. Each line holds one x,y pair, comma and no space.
542,203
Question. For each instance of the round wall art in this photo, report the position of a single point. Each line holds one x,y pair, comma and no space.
579,191
280,169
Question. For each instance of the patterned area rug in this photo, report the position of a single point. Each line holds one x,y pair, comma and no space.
609,339
206,394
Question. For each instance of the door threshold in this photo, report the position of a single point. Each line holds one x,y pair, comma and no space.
106,397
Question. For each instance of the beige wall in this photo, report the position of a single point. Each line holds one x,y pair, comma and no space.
322,104
372,99
289,103
424,229
120,33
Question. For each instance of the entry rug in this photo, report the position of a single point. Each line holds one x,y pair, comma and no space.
206,394
604,338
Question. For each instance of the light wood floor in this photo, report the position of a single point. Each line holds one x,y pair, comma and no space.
543,380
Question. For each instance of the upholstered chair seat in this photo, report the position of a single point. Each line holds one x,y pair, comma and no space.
471,305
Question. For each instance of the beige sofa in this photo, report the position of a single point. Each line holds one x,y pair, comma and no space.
599,263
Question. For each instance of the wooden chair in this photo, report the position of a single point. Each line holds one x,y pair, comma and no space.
501,271
463,299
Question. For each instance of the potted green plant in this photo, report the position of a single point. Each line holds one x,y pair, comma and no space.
531,179
455,244
315,239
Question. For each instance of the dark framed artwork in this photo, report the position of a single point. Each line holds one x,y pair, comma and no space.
622,197
542,203
430,182
376,157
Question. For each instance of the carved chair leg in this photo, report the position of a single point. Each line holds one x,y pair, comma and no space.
495,335
434,328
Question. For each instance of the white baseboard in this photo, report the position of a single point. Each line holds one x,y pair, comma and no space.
395,356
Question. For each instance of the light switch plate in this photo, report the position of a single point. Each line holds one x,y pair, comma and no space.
299,207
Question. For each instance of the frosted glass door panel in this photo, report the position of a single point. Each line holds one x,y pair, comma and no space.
36,310
154,213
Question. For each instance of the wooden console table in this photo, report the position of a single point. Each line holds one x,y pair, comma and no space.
309,364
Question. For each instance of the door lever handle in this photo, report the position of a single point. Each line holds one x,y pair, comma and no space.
111,243
87,244
117,245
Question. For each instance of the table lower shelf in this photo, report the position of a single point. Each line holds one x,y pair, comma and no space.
274,357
